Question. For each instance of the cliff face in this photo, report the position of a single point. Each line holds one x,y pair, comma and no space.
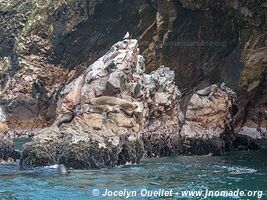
47,44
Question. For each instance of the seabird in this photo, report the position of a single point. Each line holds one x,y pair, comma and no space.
127,35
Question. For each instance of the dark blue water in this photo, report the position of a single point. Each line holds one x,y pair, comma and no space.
245,171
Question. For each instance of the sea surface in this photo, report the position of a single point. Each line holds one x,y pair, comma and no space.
157,178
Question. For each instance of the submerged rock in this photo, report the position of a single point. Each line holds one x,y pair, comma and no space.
235,141
63,170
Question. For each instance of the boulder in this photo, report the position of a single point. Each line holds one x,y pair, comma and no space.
207,117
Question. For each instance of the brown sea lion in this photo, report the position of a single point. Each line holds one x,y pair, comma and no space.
208,91
124,105
65,118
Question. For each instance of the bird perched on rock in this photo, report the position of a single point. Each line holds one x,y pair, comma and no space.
127,36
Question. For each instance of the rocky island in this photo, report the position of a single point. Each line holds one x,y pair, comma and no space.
90,99
143,99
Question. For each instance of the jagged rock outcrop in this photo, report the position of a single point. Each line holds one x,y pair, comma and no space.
114,114
161,125
208,124
7,152
208,115
108,103
102,132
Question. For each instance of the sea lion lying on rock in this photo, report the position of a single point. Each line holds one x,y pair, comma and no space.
65,118
125,106
208,91
100,109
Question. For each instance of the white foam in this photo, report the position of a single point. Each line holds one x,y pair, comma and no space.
240,170
51,166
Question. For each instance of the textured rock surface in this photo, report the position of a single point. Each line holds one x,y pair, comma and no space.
160,131
104,130
114,114
7,152
208,115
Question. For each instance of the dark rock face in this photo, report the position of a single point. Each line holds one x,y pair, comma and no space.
162,144
213,146
240,142
86,154
101,25
7,152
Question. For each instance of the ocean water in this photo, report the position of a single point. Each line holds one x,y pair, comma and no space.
235,171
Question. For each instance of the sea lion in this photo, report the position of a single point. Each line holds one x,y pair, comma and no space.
113,101
128,110
63,170
208,91
125,106
65,118
99,109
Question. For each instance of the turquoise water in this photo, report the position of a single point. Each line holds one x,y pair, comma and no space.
245,171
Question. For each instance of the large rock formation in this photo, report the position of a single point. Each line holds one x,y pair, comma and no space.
114,114
103,111
162,122
100,107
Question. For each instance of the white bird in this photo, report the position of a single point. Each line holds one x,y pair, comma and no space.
127,35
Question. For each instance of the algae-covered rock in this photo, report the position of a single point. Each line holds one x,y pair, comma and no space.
7,152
